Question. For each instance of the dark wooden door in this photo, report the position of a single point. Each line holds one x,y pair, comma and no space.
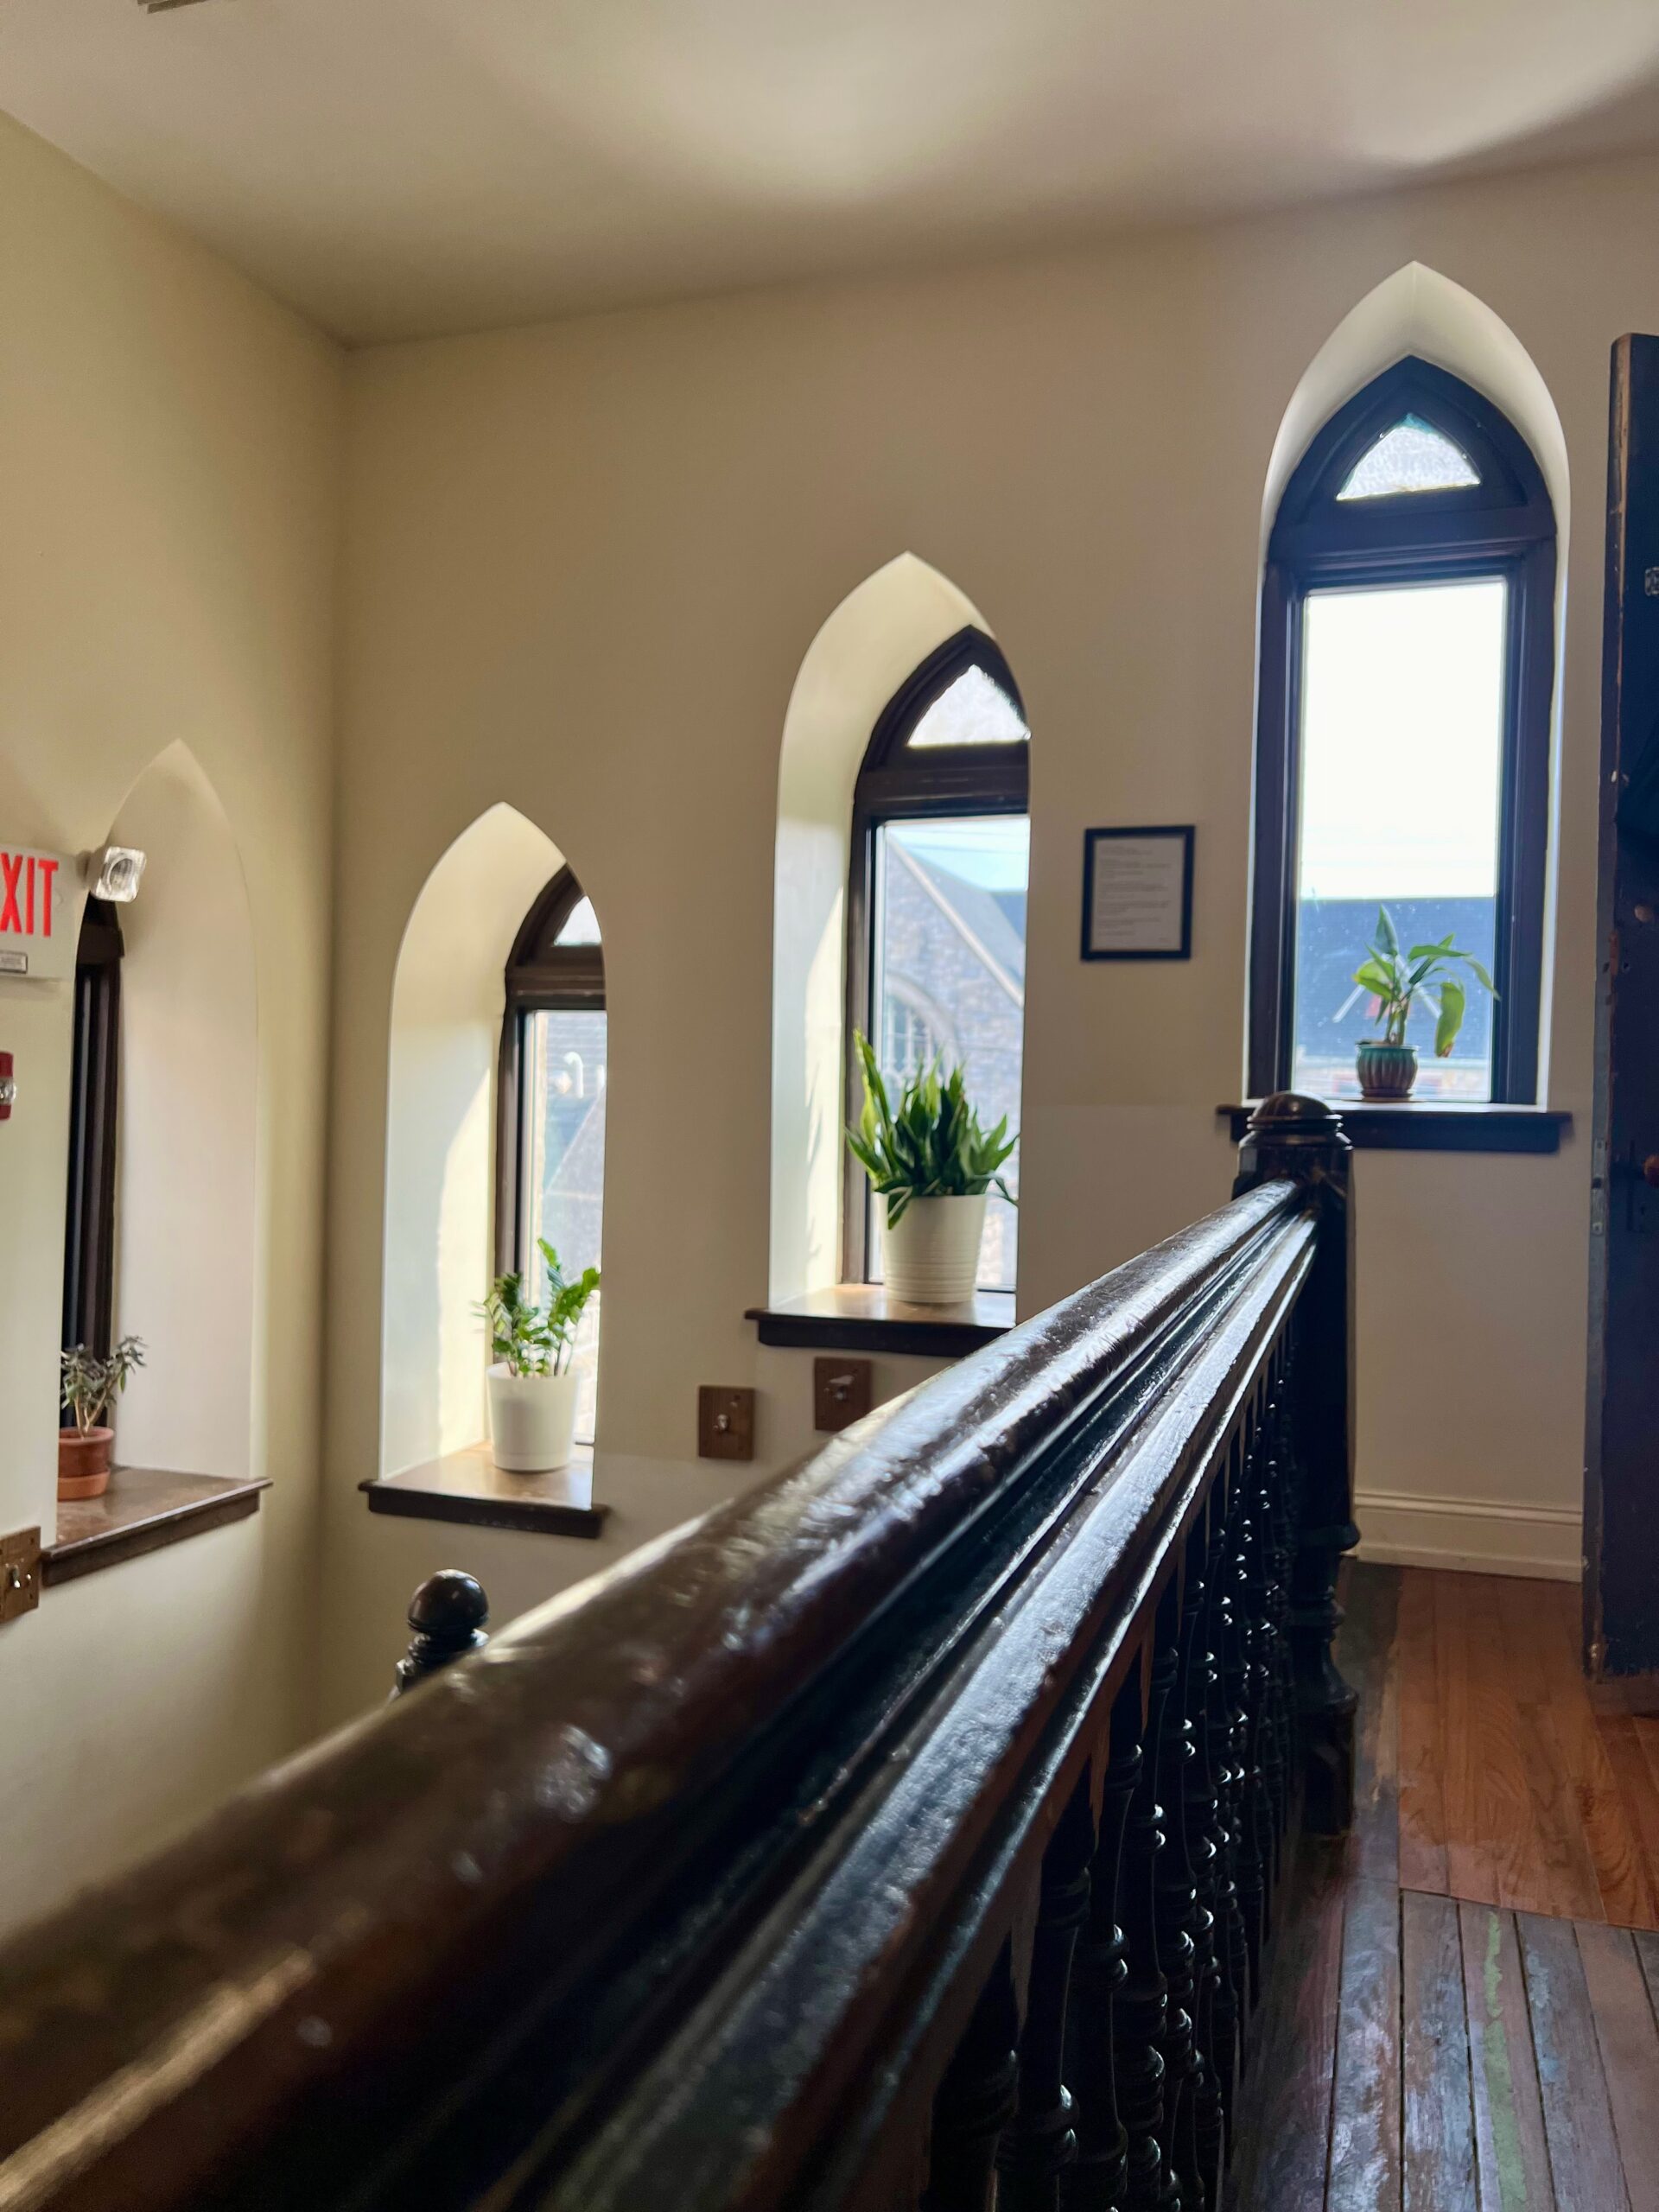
1621,1593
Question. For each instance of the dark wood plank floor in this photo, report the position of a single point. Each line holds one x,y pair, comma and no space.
1461,2015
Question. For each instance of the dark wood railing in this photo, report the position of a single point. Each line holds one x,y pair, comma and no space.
910,1831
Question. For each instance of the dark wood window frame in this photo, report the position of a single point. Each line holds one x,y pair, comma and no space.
94,1098
543,976
895,785
1503,526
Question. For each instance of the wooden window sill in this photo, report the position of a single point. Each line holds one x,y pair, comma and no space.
1435,1125
861,1316
469,1486
144,1509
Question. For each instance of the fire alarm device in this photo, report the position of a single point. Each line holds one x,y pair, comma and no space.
7,1087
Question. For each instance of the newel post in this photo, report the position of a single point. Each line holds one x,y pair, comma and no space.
1302,1139
445,1617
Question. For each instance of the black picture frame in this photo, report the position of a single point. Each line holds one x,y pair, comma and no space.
1187,832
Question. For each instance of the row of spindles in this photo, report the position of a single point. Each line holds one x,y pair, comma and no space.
1118,2091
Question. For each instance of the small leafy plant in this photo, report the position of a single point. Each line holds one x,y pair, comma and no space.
1395,978
91,1385
531,1340
933,1146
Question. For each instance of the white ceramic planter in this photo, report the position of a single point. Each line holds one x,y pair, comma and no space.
932,1257
532,1420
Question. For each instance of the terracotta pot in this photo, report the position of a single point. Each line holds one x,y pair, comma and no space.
1386,1071
84,1462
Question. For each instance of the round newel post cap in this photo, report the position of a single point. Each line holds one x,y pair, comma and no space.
450,1606
1285,1110
1290,1133
446,1615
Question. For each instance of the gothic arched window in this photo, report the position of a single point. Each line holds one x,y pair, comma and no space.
1403,744
551,1116
936,912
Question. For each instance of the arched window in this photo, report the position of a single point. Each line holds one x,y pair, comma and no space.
550,1106
1403,744
937,913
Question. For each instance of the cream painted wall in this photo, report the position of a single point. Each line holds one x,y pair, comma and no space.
584,564
170,459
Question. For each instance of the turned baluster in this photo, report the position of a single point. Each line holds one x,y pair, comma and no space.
1099,2179
1232,1962
1261,1806
1174,1906
1249,1874
975,2101
1041,2144
446,1619
1204,1853
1235,1677
1273,1565
1142,2001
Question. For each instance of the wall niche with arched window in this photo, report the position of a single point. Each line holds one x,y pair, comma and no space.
1408,622
550,1107
936,963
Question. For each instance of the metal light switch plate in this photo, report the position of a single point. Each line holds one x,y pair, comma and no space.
20,1574
725,1423
843,1392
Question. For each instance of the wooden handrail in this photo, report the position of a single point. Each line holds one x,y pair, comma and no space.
696,1886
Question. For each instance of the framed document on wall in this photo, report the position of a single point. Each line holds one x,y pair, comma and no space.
1137,894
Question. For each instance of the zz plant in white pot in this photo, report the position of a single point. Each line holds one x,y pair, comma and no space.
933,1163
532,1388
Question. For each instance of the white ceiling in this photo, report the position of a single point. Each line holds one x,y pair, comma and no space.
397,167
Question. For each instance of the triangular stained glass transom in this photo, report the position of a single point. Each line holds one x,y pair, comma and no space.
582,925
973,710
1414,456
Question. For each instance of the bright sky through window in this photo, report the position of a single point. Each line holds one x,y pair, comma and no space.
582,926
950,978
1414,456
974,710
993,850
1402,741
1402,753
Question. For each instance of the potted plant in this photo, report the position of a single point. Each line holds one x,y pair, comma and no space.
933,1164
1387,1064
532,1389
90,1386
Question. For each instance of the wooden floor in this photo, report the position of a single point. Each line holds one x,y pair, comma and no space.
1463,2014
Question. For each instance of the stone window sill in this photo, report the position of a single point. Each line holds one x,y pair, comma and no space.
144,1509
1428,1125
861,1316
469,1486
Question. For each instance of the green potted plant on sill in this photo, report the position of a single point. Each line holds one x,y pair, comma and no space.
1387,1064
532,1388
934,1164
90,1387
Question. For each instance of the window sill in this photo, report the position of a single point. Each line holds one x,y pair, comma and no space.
469,1486
1425,1125
861,1316
143,1510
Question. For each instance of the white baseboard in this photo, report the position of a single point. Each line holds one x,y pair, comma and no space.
1544,1542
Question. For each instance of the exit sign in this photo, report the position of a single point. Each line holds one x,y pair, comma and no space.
35,939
